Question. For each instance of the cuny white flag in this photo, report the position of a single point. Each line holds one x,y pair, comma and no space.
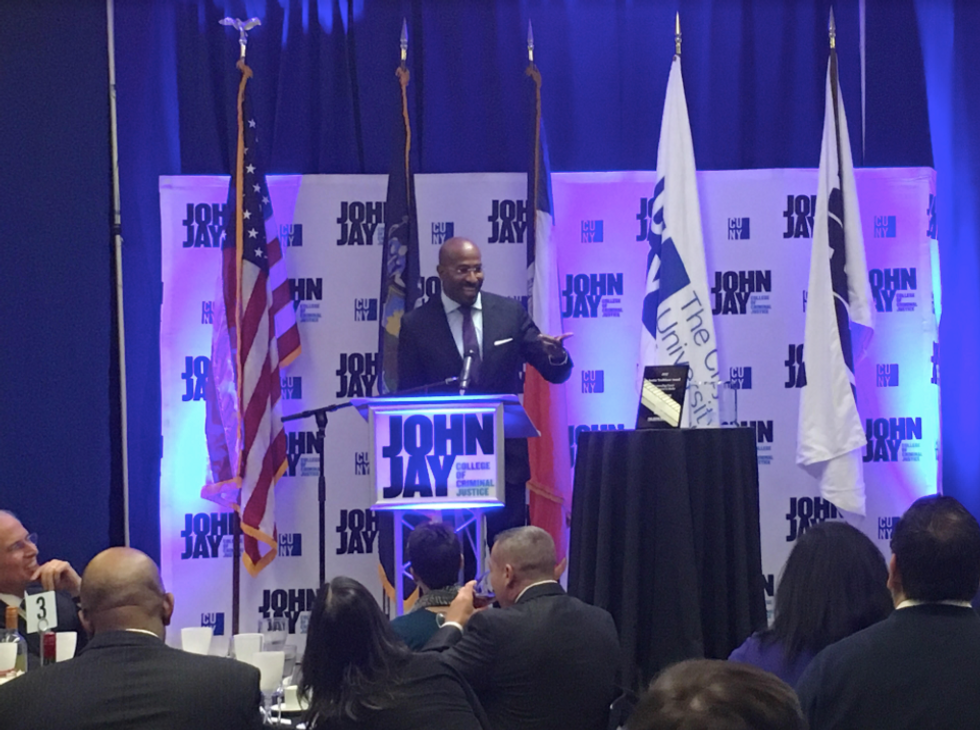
677,325
839,320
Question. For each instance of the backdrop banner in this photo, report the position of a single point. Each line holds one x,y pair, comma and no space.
757,230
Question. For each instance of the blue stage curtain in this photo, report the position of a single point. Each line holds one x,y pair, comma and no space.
56,451
325,90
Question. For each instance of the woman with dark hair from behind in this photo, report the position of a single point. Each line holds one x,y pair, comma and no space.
833,585
360,675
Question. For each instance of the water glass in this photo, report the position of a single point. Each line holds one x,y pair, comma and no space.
65,643
196,639
274,632
246,645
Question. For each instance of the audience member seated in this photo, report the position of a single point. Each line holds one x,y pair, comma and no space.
709,694
20,575
360,675
543,660
435,555
920,667
834,584
127,677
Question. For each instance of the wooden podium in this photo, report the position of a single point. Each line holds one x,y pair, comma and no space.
440,453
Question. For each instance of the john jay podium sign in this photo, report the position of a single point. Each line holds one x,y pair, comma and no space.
441,452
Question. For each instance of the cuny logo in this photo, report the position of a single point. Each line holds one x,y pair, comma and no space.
799,216
302,454
291,387
291,234
574,431
207,312
362,463
886,435
509,219
441,232
592,231
426,440
585,292
290,544
365,310
361,223
734,290
306,295
796,369
886,526
358,372
195,377
738,229
763,440
292,603
885,226
358,529
886,376
216,621
892,289
740,378
593,381
205,224
805,512
204,534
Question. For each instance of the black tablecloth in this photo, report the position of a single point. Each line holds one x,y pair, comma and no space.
665,536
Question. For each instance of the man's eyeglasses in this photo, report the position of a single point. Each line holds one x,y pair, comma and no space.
464,270
21,545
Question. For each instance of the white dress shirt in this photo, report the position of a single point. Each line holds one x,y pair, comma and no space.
455,318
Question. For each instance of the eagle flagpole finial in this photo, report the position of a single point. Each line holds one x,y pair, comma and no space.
243,27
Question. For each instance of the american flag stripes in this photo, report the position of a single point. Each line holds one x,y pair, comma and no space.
255,335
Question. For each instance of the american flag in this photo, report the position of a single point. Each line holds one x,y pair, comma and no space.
255,334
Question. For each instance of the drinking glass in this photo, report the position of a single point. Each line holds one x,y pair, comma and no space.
274,632
196,639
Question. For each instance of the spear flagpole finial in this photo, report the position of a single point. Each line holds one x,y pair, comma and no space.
677,34
403,41
530,42
832,30
243,27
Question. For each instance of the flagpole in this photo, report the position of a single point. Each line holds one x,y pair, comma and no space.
834,91
677,34
242,27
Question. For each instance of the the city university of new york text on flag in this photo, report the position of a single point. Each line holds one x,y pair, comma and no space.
839,320
677,325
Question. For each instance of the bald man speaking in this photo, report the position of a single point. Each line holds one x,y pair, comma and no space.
499,337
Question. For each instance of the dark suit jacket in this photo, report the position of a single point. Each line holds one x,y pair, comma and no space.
549,662
130,680
67,621
427,354
919,668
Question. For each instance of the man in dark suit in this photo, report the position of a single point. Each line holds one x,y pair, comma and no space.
920,667
499,336
127,677
543,660
20,575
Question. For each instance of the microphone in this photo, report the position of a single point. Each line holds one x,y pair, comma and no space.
466,373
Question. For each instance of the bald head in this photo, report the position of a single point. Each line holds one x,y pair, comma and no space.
461,270
121,589
520,557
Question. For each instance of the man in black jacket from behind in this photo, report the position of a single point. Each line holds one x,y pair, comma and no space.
126,677
543,660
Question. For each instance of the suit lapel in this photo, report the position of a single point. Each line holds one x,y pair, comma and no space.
443,342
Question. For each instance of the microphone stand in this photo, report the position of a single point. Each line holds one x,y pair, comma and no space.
321,415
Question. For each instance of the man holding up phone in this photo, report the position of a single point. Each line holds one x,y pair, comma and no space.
543,660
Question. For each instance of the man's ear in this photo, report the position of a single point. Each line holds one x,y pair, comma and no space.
167,609
894,577
560,568
86,624
510,575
